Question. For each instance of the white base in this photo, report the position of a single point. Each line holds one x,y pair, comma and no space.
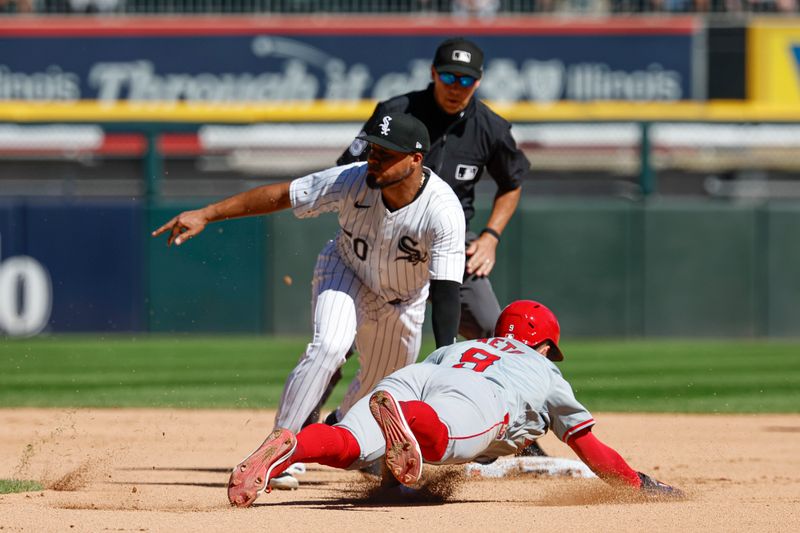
537,466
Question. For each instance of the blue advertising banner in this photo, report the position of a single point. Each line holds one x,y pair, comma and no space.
70,266
230,62
26,294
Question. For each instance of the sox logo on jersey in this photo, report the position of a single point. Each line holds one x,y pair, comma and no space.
392,253
407,246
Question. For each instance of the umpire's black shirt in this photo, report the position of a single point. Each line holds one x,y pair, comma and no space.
462,145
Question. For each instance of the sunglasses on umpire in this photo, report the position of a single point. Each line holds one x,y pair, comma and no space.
449,78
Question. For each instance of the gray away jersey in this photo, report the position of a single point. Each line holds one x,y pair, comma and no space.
537,395
394,253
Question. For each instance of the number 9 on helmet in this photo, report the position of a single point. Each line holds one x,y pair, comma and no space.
531,323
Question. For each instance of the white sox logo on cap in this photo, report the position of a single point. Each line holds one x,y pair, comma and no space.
400,132
385,125
462,55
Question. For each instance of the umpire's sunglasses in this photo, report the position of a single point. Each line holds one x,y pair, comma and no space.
449,78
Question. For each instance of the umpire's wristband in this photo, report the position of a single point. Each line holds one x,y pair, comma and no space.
491,232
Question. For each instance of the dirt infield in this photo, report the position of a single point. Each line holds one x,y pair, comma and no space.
165,470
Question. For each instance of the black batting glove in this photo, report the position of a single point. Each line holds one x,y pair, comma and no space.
654,487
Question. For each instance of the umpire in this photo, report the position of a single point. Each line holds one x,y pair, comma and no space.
466,138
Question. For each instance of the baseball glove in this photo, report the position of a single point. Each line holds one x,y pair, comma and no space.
655,488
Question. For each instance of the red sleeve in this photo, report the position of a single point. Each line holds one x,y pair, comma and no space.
603,460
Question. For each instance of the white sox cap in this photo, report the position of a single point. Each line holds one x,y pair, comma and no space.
399,132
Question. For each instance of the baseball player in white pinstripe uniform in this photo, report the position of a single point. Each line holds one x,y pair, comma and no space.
371,282
469,401
401,232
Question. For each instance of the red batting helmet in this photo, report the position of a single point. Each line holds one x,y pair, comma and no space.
532,323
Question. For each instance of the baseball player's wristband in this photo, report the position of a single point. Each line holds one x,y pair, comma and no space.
491,232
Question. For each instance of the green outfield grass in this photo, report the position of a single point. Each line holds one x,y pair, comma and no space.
248,372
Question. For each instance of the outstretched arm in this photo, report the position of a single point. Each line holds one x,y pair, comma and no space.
603,460
611,467
259,201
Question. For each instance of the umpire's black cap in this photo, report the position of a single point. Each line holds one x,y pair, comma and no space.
399,132
459,56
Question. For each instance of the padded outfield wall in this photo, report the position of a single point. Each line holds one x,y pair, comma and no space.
610,268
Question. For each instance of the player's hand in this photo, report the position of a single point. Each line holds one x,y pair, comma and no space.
183,227
657,489
481,255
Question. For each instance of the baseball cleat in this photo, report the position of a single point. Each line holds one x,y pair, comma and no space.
284,481
287,480
403,457
251,477
533,450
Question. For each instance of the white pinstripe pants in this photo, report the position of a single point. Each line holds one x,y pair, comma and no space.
387,337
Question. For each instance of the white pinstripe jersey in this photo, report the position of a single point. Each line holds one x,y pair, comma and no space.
537,395
394,253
